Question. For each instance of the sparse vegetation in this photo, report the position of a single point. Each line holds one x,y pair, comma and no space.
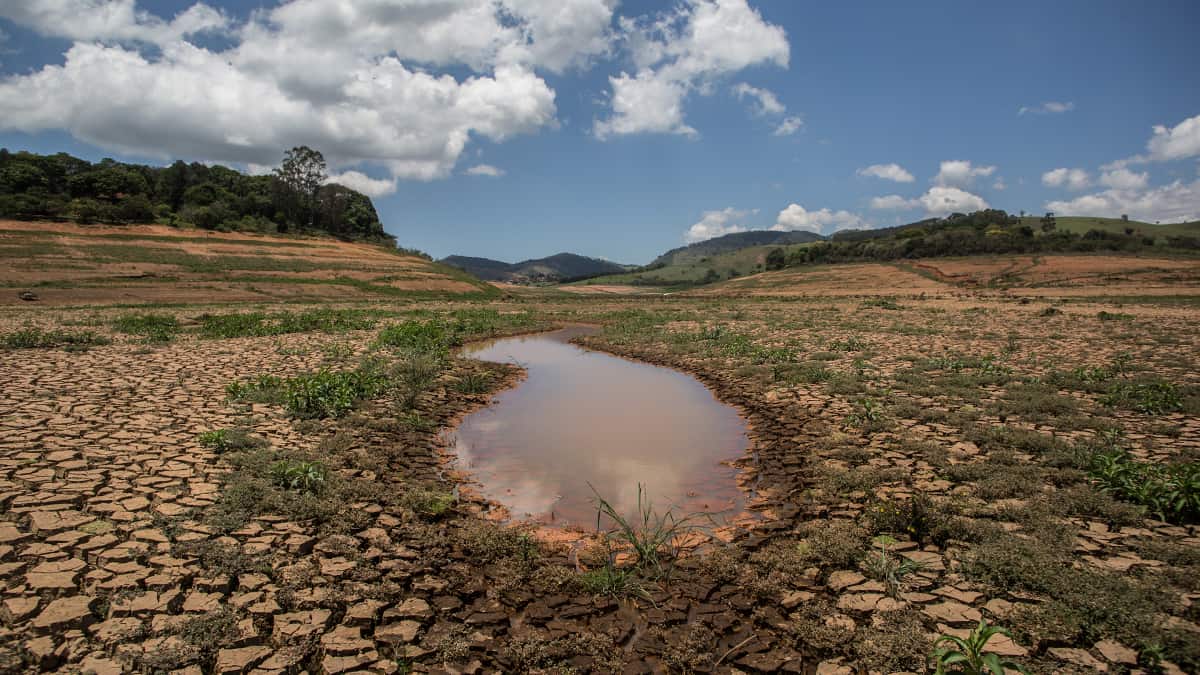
38,338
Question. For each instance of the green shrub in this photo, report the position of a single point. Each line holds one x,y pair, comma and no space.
328,393
428,503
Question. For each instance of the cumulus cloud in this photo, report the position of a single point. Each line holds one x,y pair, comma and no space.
485,170
644,104
960,172
893,172
355,79
1124,179
1178,142
942,201
796,217
356,180
1173,203
1048,108
789,126
894,203
764,101
715,224
684,51
116,20
1074,179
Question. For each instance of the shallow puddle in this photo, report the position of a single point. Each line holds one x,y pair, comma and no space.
585,417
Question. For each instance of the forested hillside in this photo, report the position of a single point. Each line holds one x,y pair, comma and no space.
990,231
293,198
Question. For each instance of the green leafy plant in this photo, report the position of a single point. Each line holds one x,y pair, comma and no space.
428,337
299,475
1169,491
969,655
428,503
1153,397
152,327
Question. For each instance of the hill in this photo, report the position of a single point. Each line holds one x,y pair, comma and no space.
68,263
557,268
296,198
731,242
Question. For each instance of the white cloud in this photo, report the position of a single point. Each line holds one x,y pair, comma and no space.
766,103
942,201
1124,179
894,203
338,75
1049,107
644,104
715,224
356,180
893,172
485,170
1173,203
1074,179
683,51
1178,142
960,172
789,126
796,217
111,20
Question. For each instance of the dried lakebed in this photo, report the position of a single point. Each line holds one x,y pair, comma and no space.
584,419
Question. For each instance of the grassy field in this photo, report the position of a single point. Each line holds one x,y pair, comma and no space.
1081,224
253,484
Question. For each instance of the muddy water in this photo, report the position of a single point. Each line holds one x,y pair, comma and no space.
585,417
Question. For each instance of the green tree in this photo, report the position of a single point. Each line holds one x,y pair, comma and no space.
776,259
1048,222
299,178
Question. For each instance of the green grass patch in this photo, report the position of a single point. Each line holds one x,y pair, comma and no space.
38,338
151,327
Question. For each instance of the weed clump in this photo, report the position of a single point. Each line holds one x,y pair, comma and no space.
151,327
1169,491
259,324
37,338
230,440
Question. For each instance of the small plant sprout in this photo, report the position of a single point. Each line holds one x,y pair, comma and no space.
888,568
969,655
656,540
298,475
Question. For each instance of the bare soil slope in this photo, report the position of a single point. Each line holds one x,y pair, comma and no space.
65,263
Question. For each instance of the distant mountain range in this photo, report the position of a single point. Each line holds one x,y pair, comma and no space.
551,269
731,242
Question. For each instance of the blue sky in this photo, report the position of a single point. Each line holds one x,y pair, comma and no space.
516,135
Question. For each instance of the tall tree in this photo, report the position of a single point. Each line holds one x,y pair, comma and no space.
300,176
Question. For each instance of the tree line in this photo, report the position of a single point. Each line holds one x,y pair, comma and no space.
991,231
295,197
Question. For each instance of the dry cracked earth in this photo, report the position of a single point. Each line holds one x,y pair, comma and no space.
915,468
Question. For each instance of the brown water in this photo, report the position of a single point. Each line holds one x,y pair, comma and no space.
585,417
